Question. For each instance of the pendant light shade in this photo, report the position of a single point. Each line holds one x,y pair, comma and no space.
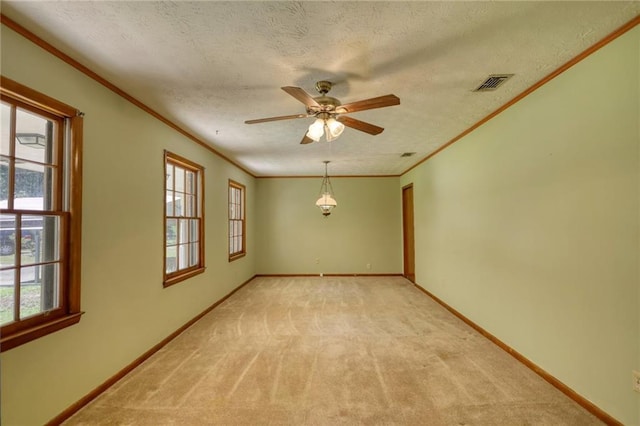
316,129
333,129
326,202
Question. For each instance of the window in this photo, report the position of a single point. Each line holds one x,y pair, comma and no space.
236,221
40,214
183,225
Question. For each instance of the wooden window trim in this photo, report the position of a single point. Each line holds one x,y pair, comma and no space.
69,313
243,190
177,276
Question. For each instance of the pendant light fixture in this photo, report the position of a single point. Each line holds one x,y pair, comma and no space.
326,202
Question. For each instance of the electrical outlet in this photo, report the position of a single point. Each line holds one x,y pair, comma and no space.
317,260
636,380
368,266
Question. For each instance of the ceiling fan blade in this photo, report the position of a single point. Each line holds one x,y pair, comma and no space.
306,139
379,102
301,95
360,125
282,117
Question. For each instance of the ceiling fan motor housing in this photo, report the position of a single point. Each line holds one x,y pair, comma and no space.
328,104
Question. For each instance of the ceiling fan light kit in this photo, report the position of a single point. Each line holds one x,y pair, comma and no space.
329,113
330,127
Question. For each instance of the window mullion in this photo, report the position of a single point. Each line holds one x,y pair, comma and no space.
17,252
12,157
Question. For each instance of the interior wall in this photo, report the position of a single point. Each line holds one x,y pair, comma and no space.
529,226
127,310
361,236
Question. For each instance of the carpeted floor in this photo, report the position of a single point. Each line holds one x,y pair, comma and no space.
331,351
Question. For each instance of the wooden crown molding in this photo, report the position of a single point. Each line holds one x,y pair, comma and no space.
608,39
66,58
91,74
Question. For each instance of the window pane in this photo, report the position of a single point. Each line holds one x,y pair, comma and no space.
169,203
51,286
7,240
172,261
177,204
7,296
34,136
38,289
193,254
194,225
183,234
169,176
30,291
4,182
182,256
190,184
5,130
33,187
172,232
189,206
179,179
40,239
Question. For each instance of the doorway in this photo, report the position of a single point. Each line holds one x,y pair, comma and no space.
407,233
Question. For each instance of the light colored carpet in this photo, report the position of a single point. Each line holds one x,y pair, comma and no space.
331,351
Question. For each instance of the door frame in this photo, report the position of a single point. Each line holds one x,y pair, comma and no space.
408,235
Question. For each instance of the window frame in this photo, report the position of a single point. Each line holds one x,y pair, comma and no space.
180,275
67,204
243,191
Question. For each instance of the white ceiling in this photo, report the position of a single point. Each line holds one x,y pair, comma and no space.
208,66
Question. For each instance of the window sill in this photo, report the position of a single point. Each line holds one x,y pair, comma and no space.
25,336
168,282
236,256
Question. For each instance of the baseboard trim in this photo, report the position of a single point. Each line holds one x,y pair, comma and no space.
328,275
585,403
70,411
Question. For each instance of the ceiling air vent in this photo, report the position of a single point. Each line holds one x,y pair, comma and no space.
493,82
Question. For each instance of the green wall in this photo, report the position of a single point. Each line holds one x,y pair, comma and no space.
529,226
363,230
127,309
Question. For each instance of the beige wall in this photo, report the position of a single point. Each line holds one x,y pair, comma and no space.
364,229
529,226
127,309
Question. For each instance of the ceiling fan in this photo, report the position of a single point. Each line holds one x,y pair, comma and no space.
330,113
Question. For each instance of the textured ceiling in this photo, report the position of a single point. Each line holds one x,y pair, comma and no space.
209,66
